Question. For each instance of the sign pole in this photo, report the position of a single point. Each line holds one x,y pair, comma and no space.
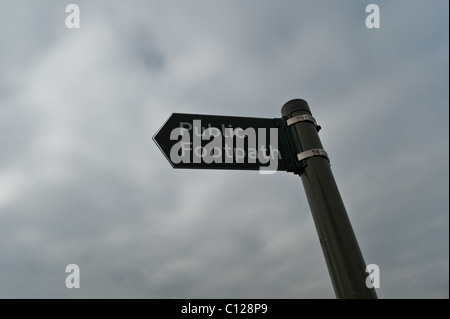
342,253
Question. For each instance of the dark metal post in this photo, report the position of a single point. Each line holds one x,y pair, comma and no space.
342,253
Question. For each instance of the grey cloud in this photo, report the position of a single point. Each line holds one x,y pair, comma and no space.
81,180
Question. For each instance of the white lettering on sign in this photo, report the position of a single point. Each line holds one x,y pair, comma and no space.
221,147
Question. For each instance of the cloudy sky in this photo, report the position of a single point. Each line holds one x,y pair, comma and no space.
82,182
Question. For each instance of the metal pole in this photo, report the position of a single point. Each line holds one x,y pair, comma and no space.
342,253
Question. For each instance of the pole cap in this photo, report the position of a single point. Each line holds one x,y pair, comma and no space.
295,105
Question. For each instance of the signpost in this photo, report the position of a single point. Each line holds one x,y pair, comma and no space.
225,142
290,144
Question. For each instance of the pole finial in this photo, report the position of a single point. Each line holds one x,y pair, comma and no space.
294,106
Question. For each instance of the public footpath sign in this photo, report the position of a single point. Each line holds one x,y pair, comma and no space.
290,144
223,142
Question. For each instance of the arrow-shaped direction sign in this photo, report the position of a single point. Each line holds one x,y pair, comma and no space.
270,145
222,142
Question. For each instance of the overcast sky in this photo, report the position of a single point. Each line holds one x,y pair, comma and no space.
82,182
